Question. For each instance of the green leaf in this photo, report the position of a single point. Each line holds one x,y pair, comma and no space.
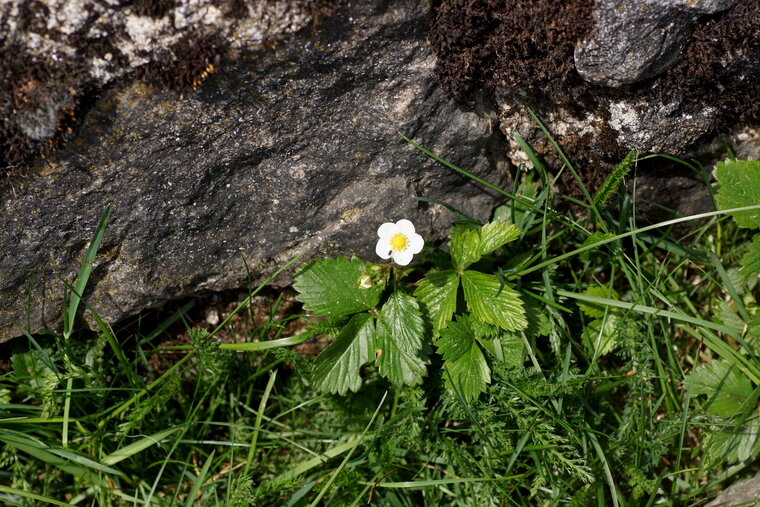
611,185
595,336
750,263
84,274
464,362
507,347
739,186
727,388
438,293
137,446
481,291
514,210
337,287
400,330
730,318
596,311
469,245
336,369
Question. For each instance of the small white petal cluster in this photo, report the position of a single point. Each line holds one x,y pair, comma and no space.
398,241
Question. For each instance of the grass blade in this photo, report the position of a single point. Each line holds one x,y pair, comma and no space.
138,446
32,496
348,456
84,274
257,424
199,481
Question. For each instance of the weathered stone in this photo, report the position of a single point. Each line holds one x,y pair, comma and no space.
635,40
663,127
745,493
290,150
57,50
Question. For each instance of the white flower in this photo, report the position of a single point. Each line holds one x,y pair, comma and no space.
398,241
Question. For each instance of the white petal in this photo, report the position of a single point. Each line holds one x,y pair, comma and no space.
415,243
405,227
403,257
383,249
386,230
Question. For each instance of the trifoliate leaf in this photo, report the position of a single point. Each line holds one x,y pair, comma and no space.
400,330
602,338
739,186
751,260
481,291
726,387
594,310
337,287
336,369
438,293
464,362
469,245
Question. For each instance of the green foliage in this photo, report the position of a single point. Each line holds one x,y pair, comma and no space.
750,263
466,366
337,287
728,390
400,331
613,182
469,244
492,302
211,361
438,293
394,327
593,310
739,186
336,370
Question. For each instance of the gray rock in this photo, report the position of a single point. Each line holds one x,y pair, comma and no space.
745,493
290,150
635,40
54,51
665,128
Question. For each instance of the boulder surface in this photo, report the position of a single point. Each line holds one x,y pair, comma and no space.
292,149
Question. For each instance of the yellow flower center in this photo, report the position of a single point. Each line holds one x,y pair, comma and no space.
399,241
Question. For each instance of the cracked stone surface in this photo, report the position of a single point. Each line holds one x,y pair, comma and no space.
291,149
634,40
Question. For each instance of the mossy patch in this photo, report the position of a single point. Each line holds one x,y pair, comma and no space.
527,49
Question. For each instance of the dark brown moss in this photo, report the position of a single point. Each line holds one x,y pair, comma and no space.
522,46
527,49
152,8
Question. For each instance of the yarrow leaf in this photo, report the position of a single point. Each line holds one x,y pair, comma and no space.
337,287
465,365
336,369
438,292
739,186
400,330
492,302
